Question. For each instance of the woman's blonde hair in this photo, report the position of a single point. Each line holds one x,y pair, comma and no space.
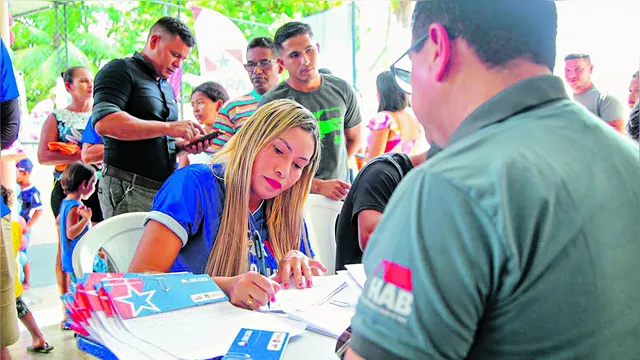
229,256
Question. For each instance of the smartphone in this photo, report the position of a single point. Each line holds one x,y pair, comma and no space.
209,136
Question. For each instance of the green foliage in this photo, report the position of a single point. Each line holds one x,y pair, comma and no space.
126,25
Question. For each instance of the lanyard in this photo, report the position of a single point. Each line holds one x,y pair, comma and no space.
256,239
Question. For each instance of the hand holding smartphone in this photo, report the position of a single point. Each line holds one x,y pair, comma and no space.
209,137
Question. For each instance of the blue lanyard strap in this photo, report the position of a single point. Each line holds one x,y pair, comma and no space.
258,245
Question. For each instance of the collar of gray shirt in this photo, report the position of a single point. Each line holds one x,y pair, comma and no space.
517,98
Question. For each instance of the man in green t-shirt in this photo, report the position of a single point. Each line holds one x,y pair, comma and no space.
520,239
332,100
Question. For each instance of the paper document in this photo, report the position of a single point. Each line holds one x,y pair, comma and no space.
327,307
204,332
357,273
295,300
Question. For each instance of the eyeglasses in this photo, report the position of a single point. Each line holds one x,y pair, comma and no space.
401,68
265,64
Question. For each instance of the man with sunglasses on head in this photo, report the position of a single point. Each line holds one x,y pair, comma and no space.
332,100
510,243
264,72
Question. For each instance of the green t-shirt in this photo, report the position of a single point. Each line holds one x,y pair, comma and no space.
519,240
335,105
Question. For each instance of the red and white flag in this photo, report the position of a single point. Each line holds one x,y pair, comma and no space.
221,50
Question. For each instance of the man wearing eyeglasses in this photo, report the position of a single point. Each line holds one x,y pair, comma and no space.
332,101
510,243
264,72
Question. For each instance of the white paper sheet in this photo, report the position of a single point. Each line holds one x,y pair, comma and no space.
327,307
357,273
204,332
295,300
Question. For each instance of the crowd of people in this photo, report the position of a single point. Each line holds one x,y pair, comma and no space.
510,210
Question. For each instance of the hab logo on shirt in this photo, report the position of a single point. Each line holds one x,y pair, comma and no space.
391,294
330,121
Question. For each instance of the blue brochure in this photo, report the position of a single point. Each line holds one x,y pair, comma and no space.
157,293
258,344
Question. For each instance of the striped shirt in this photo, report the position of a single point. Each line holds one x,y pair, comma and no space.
233,115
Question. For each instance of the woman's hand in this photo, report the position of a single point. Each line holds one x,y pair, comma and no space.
250,290
298,264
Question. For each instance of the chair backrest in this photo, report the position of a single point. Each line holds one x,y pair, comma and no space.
118,236
321,215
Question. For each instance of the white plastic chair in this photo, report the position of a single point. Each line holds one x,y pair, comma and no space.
321,215
117,236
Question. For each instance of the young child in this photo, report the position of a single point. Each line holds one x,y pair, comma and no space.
38,342
30,208
29,196
78,182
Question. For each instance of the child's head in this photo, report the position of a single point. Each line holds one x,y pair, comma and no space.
23,170
6,195
207,100
79,178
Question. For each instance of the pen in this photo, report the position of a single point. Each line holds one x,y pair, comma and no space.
257,240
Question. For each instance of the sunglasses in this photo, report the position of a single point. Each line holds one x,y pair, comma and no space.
401,68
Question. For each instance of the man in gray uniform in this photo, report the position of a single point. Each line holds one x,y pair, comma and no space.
520,239
577,72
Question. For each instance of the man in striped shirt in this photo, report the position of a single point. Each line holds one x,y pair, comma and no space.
264,72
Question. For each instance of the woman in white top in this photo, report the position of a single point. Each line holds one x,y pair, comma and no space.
61,135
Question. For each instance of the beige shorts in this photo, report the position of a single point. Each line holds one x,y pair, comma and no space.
9,333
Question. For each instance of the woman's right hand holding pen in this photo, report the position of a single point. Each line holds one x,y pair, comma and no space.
249,290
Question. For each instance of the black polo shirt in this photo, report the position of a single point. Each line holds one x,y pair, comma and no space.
371,190
130,85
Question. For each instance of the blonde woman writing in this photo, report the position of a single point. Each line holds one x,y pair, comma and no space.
212,218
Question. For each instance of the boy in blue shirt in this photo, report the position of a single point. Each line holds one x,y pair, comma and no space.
30,209
29,197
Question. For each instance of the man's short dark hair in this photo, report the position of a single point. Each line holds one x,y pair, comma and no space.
574,56
262,42
289,30
174,26
498,30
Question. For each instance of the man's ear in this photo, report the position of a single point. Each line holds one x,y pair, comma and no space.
154,40
318,47
280,62
442,54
